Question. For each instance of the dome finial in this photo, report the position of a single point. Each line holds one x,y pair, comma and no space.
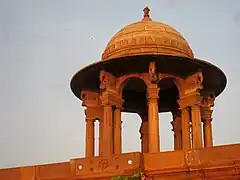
146,16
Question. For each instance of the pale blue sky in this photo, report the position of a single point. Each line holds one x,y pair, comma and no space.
44,42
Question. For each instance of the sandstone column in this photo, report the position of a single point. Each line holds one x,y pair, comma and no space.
153,120
117,131
144,136
206,112
189,92
107,132
207,126
100,143
176,123
196,126
89,138
91,101
107,96
185,128
207,132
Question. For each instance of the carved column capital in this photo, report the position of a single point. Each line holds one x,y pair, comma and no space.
88,120
206,114
152,93
206,106
208,98
195,107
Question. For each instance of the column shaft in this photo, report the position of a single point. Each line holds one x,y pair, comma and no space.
176,123
100,138
117,131
89,138
178,134
153,125
196,127
144,136
207,133
175,140
178,140
185,129
107,143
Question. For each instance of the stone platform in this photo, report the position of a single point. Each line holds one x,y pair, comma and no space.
220,162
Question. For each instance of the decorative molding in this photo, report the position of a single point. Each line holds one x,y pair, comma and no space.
103,164
154,78
169,43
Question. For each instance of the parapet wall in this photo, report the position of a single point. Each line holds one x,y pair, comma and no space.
221,162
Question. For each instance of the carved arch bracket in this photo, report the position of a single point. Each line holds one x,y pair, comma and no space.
107,81
191,85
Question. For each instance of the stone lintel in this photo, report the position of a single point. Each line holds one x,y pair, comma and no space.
111,98
90,98
190,100
93,113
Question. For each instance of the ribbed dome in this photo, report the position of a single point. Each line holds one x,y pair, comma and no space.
147,37
140,43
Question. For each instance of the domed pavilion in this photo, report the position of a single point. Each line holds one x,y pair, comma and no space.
147,68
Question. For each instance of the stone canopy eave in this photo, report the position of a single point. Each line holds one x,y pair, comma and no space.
88,77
